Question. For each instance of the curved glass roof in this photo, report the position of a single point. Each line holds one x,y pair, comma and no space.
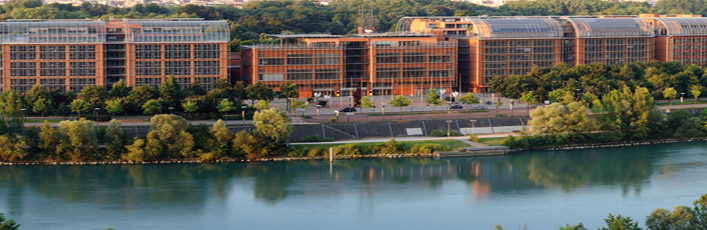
176,31
517,28
684,26
73,31
610,27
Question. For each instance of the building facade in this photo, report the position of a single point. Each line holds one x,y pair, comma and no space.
376,64
71,54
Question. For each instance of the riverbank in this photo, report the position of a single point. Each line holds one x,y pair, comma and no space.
610,145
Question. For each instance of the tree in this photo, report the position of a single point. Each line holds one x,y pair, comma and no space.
37,92
80,106
297,104
115,138
114,106
366,103
628,112
262,104
12,148
288,90
11,103
700,211
141,94
400,101
433,97
190,107
219,143
529,99
558,118
41,106
170,91
670,93
152,107
225,106
272,124
48,141
79,141
696,90
168,138
259,91
135,151
620,223
579,226
119,90
6,224
469,98
94,95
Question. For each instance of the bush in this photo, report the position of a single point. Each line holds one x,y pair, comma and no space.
443,133
332,119
388,147
474,138
427,148
348,149
306,117
314,152
314,138
322,103
101,117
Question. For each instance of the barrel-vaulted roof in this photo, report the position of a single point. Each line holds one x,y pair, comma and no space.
52,31
494,28
610,27
675,26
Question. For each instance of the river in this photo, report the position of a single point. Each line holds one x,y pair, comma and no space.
540,190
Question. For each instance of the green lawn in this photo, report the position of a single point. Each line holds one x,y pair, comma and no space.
452,144
677,102
493,141
398,113
40,121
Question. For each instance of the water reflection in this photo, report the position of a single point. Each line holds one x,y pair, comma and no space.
190,185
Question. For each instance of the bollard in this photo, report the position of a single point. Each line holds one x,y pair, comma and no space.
331,154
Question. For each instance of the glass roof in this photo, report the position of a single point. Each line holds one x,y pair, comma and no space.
176,31
610,27
70,31
517,28
684,26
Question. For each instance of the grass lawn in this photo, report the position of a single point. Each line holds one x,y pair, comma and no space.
40,121
398,113
493,141
452,144
677,102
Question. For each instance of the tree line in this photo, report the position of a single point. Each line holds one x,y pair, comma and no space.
170,97
257,18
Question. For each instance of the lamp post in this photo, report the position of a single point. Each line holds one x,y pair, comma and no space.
383,110
318,106
171,109
511,106
532,98
95,112
243,107
473,123
682,95
23,114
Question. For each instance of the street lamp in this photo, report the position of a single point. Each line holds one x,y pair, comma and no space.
318,106
95,111
473,123
170,109
532,98
243,107
511,106
23,114
682,95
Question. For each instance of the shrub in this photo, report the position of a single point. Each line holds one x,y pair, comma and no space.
427,148
332,119
474,138
443,133
348,149
314,152
314,138
388,147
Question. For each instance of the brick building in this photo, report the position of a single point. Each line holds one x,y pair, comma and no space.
71,54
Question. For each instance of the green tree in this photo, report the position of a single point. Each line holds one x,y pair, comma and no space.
225,106
433,97
12,148
11,103
79,106
41,106
136,151
297,104
7,224
469,98
94,95
558,118
168,138
115,139
141,94
272,124
48,141
366,103
620,223
152,107
700,211
37,92
114,106
288,90
400,101
259,91
79,141
696,90
262,104
219,143
670,93
579,226
170,91
119,90
190,107
628,112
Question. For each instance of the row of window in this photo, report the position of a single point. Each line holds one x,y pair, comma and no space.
53,52
176,68
177,51
302,59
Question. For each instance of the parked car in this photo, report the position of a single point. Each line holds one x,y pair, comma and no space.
348,110
456,107
478,108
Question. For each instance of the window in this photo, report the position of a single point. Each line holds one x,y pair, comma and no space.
438,59
327,59
413,57
178,51
299,59
153,82
207,68
206,82
82,69
326,74
77,84
203,51
271,77
413,72
299,74
148,52
148,68
52,52
22,85
387,73
82,52
440,73
52,69
23,52
176,68
383,58
23,69
271,61
58,84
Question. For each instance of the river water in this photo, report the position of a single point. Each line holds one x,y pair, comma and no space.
537,190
